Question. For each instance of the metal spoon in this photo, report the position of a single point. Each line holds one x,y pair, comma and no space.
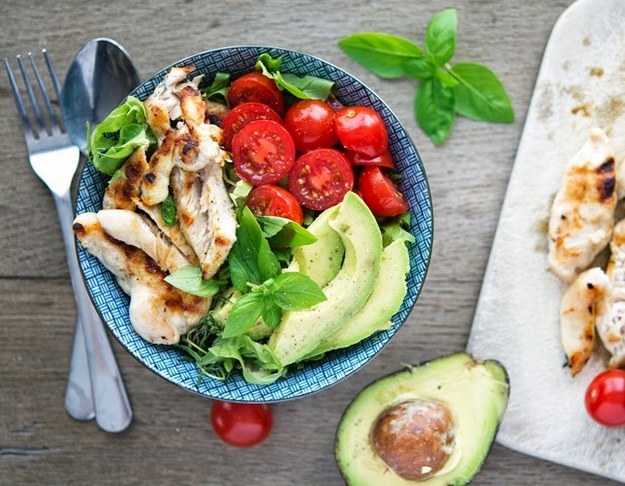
99,78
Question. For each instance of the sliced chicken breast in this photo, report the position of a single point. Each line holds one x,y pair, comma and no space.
578,309
611,311
159,313
582,215
136,230
205,215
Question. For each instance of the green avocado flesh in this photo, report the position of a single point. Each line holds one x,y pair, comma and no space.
385,300
300,332
321,260
476,394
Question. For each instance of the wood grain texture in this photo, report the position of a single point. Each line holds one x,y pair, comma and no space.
170,439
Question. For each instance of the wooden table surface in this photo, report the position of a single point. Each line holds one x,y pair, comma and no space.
170,440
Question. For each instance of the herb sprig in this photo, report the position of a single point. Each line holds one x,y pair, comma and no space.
468,89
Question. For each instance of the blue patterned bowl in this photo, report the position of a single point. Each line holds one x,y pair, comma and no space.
112,303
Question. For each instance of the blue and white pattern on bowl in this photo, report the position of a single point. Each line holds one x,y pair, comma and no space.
170,363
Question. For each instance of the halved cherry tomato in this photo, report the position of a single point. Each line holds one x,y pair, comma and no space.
241,115
256,87
362,130
271,200
380,194
384,160
262,152
241,424
311,123
605,398
321,178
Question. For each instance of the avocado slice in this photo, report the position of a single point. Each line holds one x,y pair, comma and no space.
321,260
300,332
385,300
473,394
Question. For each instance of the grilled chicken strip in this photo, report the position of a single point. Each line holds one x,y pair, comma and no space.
582,215
159,313
124,193
611,310
135,230
191,146
577,316
205,213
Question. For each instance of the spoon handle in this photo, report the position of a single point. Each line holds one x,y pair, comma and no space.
78,394
112,407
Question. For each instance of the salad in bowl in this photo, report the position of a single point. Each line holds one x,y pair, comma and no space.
254,224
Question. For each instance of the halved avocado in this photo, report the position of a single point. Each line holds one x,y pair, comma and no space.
432,424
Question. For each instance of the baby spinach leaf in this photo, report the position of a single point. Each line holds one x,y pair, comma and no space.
395,231
118,136
189,280
296,291
382,54
480,94
434,107
303,87
168,211
218,89
440,36
284,232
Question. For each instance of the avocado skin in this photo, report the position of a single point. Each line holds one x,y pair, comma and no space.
498,376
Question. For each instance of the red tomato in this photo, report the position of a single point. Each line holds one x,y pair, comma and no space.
241,115
384,160
241,424
311,123
380,193
362,130
321,178
256,87
262,152
274,201
605,398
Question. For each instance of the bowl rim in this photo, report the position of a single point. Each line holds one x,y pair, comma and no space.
429,241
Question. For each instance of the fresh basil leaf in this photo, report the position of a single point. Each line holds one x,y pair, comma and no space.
272,314
394,231
111,142
297,291
480,95
218,88
445,78
434,107
440,36
244,314
382,54
251,259
168,211
284,256
420,69
284,232
189,280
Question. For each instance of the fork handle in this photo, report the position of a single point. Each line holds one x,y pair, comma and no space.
112,407
78,394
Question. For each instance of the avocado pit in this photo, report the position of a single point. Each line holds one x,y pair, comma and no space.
415,438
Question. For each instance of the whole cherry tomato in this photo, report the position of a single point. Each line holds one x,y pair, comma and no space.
241,424
380,193
311,124
605,398
271,200
362,130
256,87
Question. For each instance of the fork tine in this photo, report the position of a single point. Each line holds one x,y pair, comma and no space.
31,94
18,98
52,71
53,119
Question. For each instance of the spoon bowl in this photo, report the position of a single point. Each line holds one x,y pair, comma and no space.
100,77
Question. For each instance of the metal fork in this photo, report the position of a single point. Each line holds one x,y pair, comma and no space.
55,159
